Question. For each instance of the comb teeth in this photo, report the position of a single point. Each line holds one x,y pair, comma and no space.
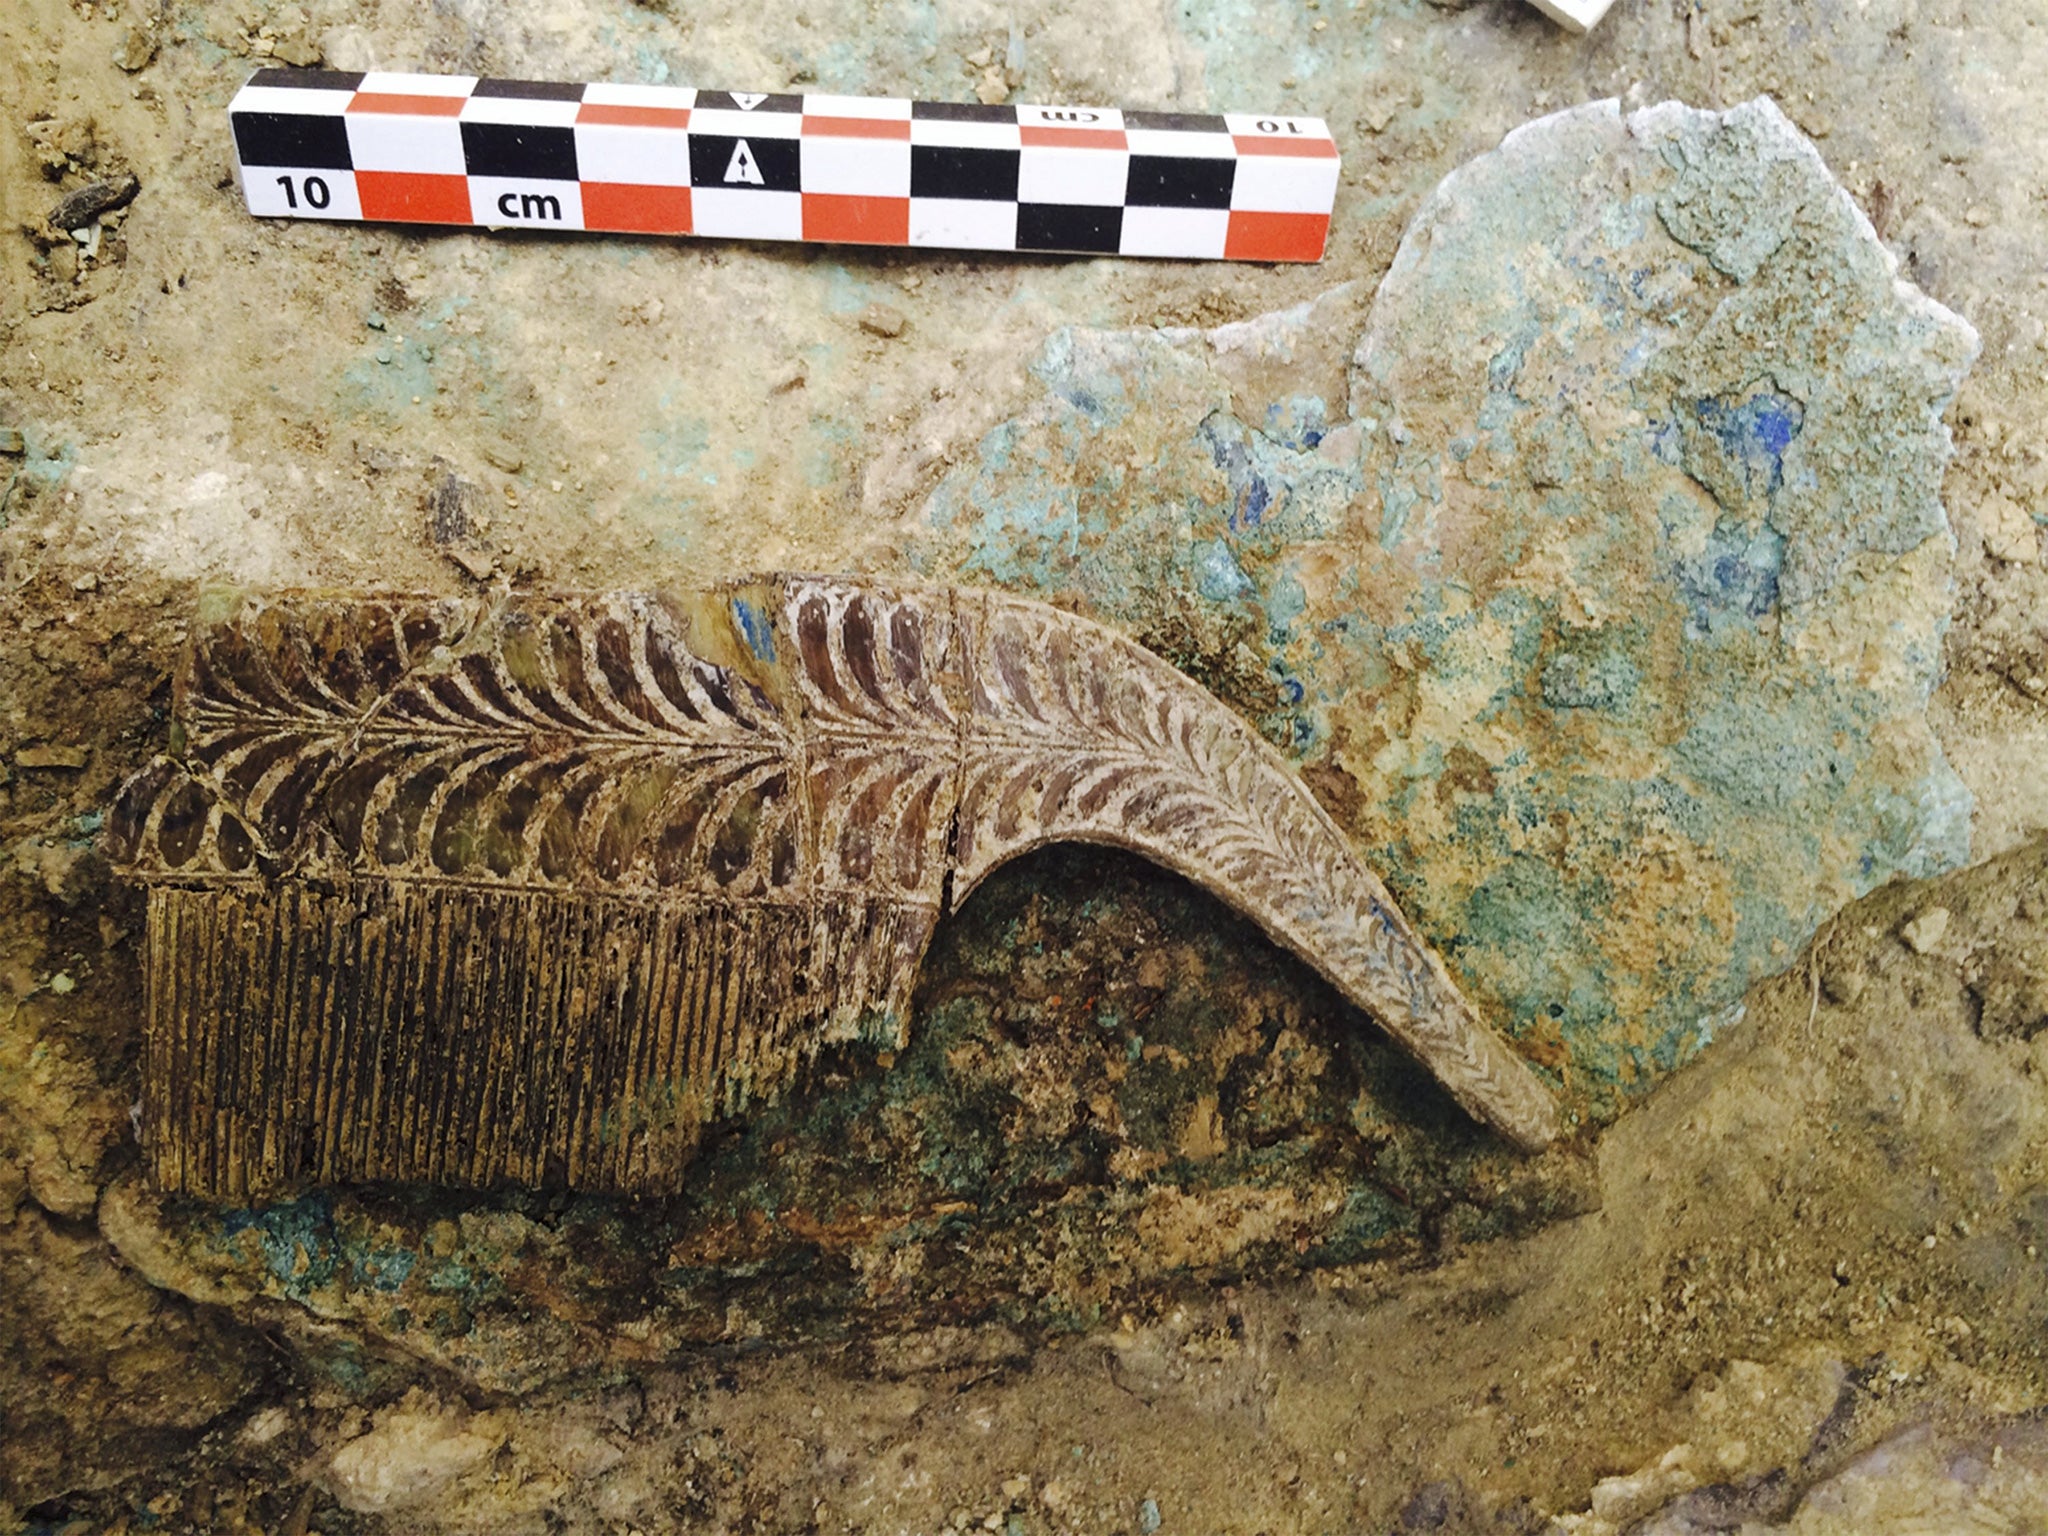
529,894
478,1036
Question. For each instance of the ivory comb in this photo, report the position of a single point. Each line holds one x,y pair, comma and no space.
528,890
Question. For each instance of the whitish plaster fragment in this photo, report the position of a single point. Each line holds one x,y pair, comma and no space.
1579,16
416,1450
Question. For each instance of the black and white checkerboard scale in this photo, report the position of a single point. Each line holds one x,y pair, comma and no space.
456,149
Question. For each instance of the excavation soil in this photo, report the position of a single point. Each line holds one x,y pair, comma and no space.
1823,1235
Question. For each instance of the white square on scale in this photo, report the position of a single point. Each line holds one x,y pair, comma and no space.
392,82
291,101
747,215
1196,233
1278,125
316,192
647,157
889,108
1095,177
963,223
394,141
668,98
746,125
855,167
1284,184
1186,142
947,133
522,111
1033,115
525,202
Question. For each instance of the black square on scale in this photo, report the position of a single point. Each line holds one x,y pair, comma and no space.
743,101
519,149
304,141
1179,181
947,170
1069,227
529,90
310,79
960,112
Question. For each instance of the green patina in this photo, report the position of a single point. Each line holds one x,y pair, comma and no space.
1580,598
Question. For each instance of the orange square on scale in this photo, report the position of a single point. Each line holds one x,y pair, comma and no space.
856,220
857,127
1033,136
627,209
602,112
412,197
406,106
1303,149
1276,236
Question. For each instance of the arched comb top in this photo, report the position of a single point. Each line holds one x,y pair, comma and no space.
769,790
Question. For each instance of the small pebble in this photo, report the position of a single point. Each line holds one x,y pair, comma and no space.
882,320
61,983
1148,1516
1924,932
50,757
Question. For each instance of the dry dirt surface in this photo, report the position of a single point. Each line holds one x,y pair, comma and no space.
1804,1287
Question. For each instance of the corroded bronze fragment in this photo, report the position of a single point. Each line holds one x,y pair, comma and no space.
529,890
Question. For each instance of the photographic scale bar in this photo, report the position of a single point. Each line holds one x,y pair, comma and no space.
659,160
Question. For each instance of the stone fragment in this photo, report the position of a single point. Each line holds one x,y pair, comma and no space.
1921,1478
298,47
51,755
480,565
138,48
1923,933
414,1452
79,208
2010,533
883,320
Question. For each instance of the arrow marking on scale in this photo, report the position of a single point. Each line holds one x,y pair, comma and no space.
743,167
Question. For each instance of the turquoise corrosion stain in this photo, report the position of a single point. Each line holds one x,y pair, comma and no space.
1564,601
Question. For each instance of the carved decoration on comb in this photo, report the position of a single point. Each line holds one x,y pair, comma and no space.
529,890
